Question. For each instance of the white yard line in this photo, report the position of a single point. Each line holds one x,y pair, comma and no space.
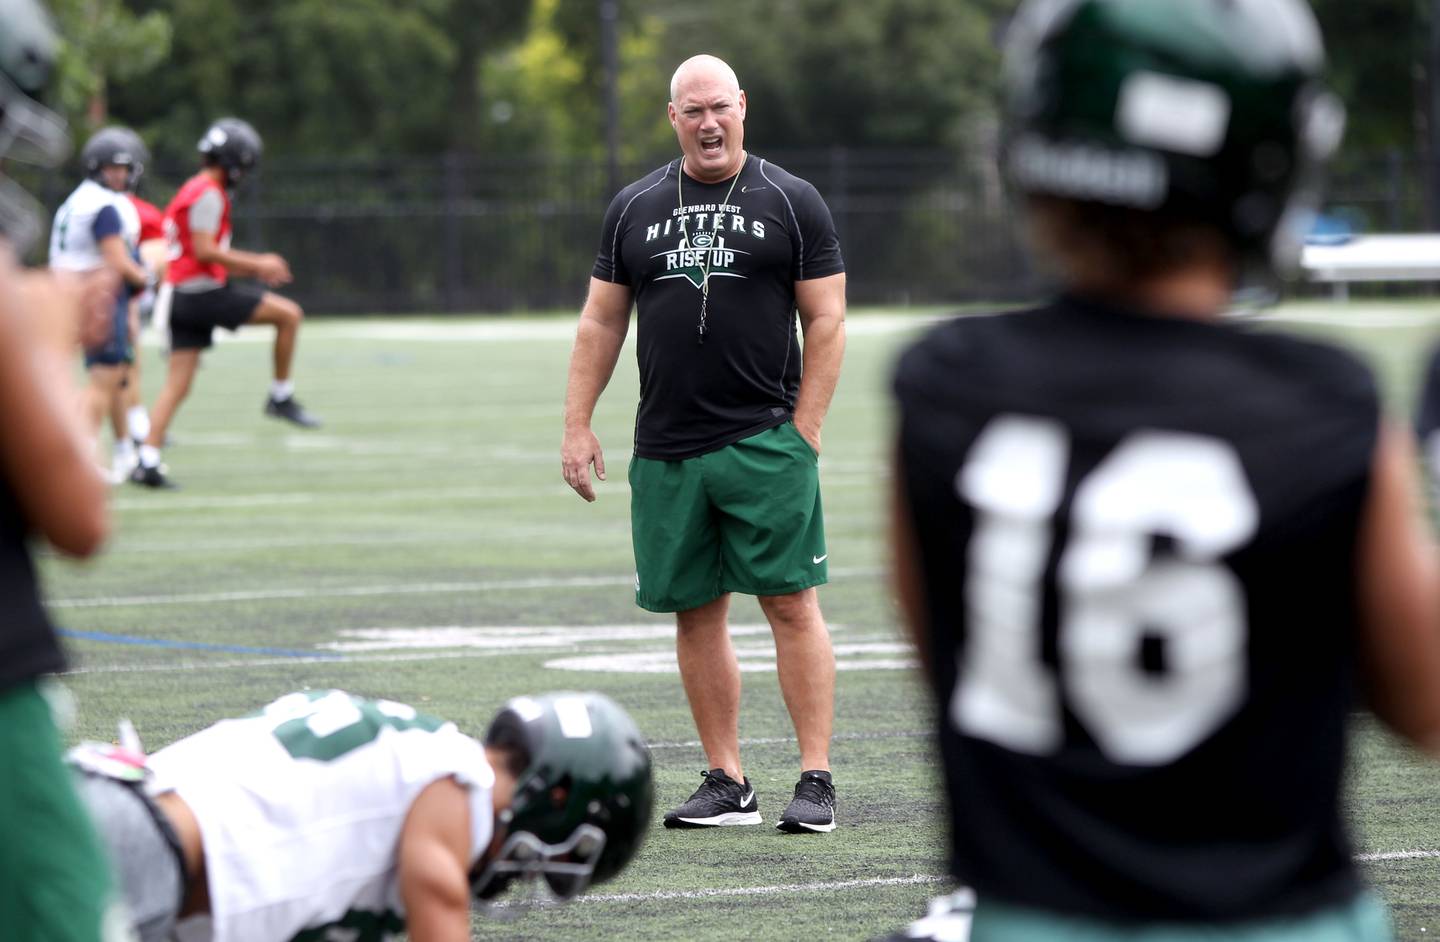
1398,855
773,890
362,591
918,879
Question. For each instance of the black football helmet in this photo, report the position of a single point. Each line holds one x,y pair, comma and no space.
582,806
1208,111
234,146
115,146
29,132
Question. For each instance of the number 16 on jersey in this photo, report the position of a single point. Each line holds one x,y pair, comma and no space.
1152,647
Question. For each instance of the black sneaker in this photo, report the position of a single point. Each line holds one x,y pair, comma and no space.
151,477
813,807
719,801
291,411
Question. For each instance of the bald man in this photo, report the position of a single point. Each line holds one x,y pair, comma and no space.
722,253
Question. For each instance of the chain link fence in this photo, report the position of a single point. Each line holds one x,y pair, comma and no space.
486,234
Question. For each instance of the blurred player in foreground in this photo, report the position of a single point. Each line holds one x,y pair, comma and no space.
1146,554
198,223
53,883
97,227
326,813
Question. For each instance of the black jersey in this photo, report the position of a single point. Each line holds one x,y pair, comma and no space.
1138,541
663,236
28,647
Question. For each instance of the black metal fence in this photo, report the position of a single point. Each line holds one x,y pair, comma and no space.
464,234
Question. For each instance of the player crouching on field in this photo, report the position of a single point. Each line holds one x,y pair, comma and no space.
326,811
1153,558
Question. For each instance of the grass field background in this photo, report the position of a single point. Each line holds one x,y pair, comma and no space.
423,547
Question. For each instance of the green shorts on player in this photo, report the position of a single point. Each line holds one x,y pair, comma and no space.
1361,920
53,880
745,518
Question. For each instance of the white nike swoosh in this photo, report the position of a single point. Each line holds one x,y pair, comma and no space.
753,189
820,559
748,798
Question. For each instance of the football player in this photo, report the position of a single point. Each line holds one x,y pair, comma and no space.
53,883
1145,552
197,223
325,813
98,227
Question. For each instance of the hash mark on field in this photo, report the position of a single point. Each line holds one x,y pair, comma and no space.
312,592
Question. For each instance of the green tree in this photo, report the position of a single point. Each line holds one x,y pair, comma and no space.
324,77
895,73
104,43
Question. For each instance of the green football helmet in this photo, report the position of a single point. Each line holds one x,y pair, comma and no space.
582,806
29,132
1208,111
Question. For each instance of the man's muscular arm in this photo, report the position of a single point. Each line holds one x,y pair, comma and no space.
603,325
821,303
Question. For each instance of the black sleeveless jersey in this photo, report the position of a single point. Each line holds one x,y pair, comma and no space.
1138,541
28,646
665,236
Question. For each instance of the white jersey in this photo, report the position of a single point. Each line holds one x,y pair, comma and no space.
73,245
300,810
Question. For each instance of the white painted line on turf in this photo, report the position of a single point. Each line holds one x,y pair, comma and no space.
436,588
507,636
1399,855
917,879
774,890
490,534
617,489
1369,318
785,740
751,658
358,591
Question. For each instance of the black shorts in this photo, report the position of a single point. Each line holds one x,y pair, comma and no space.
194,316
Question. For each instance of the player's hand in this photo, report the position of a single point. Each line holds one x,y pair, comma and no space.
810,432
273,270
579,449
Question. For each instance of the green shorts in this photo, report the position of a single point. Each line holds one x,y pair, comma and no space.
53,881
745,519
1362,920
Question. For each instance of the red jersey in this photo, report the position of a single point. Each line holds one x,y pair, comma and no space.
183,264
152,219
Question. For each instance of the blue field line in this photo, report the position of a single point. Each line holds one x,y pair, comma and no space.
109,638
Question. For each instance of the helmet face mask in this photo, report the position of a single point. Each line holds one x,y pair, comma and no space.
581,806
29,132
1204,111
566,868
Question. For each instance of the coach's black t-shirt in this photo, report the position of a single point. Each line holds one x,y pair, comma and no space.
28,647
1138,540
661,234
